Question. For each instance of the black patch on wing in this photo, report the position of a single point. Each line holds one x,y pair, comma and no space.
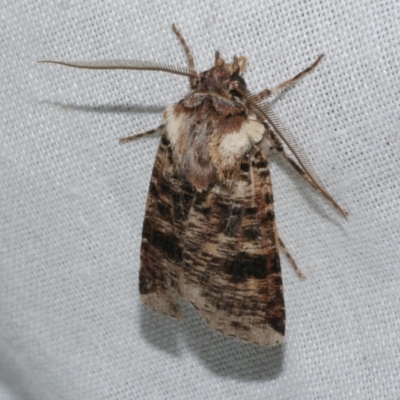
168,203
231,261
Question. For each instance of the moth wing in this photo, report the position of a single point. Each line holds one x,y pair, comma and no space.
231,260
168,203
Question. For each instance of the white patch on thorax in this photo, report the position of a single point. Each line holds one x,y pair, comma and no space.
234,144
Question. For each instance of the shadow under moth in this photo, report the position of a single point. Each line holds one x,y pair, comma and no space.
209,232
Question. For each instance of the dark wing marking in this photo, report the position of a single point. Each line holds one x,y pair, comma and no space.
232,271
168,203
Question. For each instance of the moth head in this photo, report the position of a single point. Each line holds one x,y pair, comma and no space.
223,78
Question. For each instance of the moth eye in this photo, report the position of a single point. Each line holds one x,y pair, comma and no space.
239,80
202,76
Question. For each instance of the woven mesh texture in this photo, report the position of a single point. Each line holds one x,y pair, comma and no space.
72,201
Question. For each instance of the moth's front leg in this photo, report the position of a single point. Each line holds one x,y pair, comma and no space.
139,135
268,92
189,54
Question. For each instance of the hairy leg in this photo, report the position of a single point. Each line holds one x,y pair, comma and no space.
268,92
291,259
139,135
188,52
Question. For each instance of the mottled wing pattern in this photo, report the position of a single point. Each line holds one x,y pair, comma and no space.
231,261
168,203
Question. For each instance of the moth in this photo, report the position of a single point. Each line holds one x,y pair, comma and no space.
209,232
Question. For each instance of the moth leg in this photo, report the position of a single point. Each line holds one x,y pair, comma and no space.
277,145
189,54
291,259
268,92
139,135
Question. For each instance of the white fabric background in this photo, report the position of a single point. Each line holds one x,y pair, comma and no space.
72,201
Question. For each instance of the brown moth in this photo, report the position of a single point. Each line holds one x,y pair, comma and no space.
209,232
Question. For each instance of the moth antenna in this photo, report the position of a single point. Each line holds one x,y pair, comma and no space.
290,141
126,64
189,55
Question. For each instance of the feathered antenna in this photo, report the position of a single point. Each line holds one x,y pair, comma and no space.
139,65
264,111
126,64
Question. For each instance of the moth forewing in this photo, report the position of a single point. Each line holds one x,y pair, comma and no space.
209,232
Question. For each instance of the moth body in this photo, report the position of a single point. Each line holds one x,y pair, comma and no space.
209,233
217,245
